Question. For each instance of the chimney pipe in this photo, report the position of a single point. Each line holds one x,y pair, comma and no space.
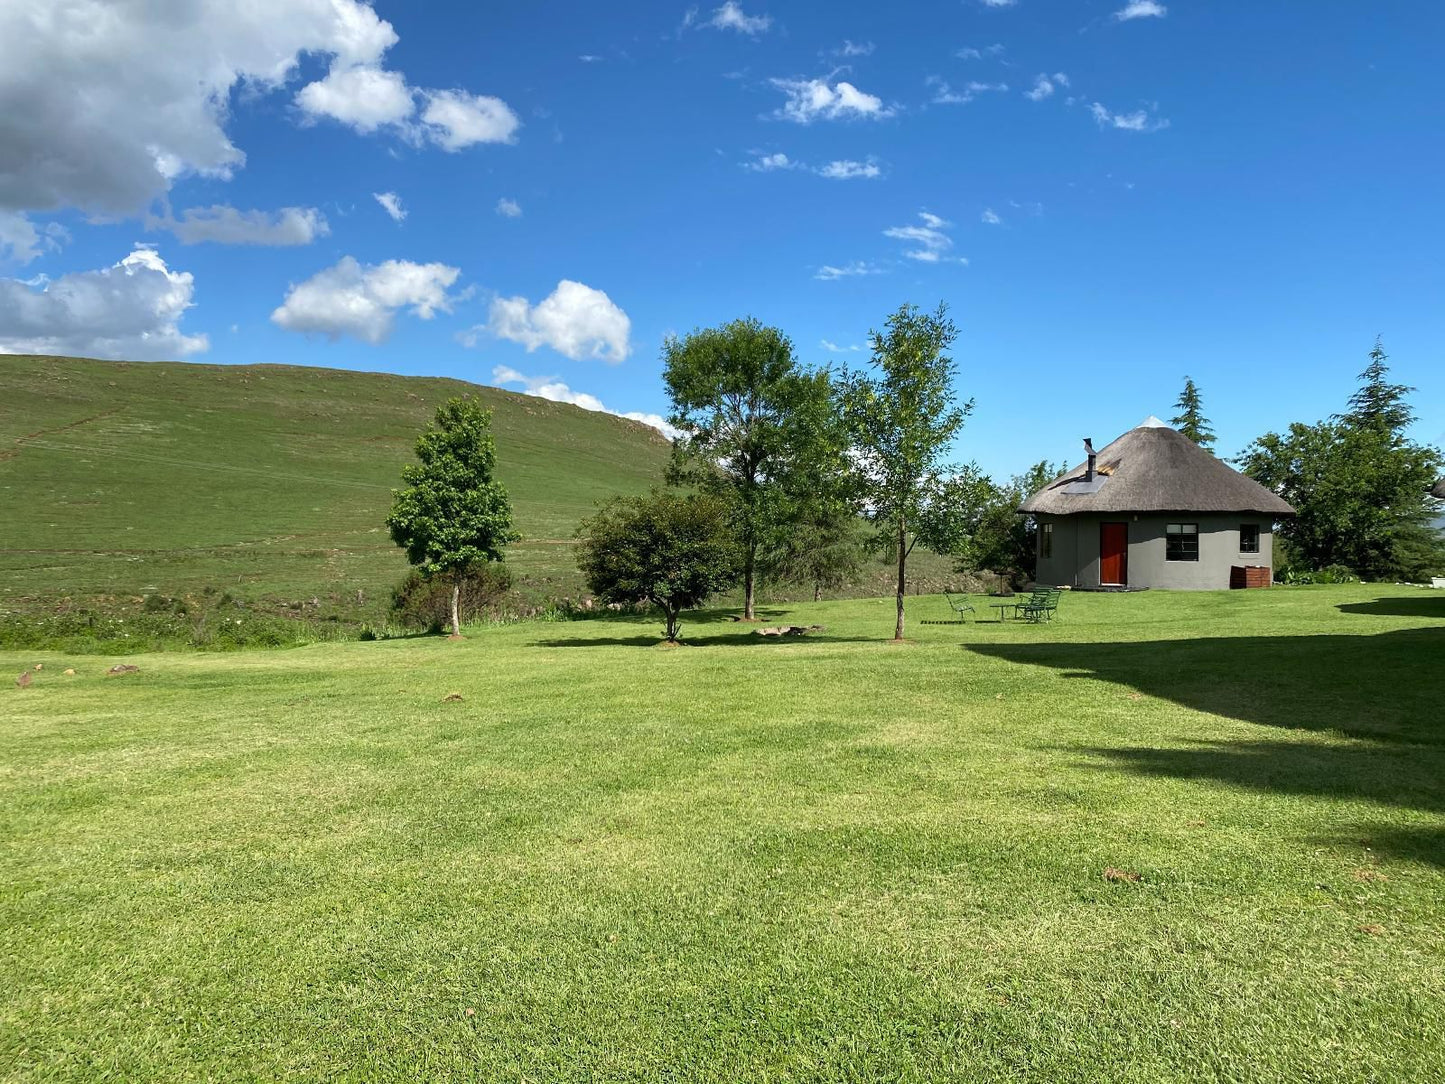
1089,447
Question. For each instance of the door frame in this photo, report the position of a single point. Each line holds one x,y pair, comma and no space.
1123,556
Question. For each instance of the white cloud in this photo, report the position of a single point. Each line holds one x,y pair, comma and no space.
990,217
105,104
972,53
817,99
391,204
944,94
224,225
850,48
1140,9
21,242
834,348
550,388
575,320
771,163
1141,120
453,119
509,208
845,169
932,241
361,300
1044,86
731,17
998,3
830,273
130,310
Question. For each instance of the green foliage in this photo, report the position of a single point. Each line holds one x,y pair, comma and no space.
454,516
1191,420
668,550
1001,540
821,546
757,430
1359,485
423,602
900,424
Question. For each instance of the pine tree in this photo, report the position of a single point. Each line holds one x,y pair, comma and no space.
1378,404
1191,420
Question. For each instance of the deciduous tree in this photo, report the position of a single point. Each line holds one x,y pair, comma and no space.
453,514
667,549
901,419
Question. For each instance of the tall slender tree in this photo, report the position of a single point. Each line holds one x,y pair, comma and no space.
901,423
1191,420
751,421
453,514
1377,404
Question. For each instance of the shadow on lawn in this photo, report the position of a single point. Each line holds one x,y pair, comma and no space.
1399,606
1381,690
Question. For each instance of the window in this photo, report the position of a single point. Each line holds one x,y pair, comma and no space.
1046,540
1249,538
1181,542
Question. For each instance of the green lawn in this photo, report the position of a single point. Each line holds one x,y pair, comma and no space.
829,859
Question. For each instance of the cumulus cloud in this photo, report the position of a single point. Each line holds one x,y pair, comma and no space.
362,300
575,320
391,204
549,387
1045,85
830,273
1140,9
770,163
509,208
817,99
103,105
845,169
130,310
932,242
732,17
224,225
1141,120
990,217
21,241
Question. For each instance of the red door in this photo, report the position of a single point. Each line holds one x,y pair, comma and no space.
1114,554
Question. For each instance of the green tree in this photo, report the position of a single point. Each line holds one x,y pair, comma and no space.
453,516
752,421
668,549
821,547
1002,540
1360,486
1191,420
900,424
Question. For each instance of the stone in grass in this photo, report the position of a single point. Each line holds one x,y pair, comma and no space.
40,666
1119,876
70,672
24,679
122,668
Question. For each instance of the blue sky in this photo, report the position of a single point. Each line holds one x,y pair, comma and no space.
1244,192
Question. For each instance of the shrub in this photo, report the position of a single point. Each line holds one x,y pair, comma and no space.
420,603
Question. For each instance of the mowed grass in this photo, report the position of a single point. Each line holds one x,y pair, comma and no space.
824,859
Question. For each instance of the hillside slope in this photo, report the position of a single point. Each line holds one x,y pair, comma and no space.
271,482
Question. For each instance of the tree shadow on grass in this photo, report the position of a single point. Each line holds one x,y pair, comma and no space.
1399,606
1382,690
739,637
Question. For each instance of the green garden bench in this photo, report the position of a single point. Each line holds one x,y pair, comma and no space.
1041,605
959,604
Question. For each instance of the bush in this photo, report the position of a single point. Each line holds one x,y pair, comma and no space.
420,603
1329,574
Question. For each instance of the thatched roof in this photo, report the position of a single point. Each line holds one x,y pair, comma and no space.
1155,469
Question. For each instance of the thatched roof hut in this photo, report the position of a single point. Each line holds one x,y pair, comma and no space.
1153,509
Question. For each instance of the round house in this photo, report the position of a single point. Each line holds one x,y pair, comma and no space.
1155,510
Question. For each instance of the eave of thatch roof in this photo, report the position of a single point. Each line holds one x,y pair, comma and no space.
1439,489
1156,469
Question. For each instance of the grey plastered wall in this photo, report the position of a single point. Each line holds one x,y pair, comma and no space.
1075,560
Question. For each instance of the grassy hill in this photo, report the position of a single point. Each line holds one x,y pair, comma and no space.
122,479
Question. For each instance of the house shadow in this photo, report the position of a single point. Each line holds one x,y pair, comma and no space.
1383,691
1399,606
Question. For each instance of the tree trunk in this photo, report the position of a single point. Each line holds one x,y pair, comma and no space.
817,591
456,607
749,584
671,630
902,575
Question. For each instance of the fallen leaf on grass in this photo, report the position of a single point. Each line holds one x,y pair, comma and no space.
123,668
1136,696
1118,875
1196,823
450,697
1365,873
1372,928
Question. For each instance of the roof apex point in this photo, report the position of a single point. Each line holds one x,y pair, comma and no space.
1151,422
